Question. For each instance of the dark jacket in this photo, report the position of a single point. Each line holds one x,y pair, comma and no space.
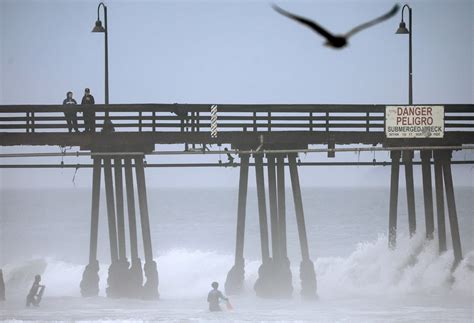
88,99
68,101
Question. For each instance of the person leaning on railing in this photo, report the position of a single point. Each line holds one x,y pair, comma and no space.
89,114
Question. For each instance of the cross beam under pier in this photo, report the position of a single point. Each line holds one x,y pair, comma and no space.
236,151
184,165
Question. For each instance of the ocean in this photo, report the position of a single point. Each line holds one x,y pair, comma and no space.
193,234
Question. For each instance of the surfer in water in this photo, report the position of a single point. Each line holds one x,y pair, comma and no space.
214,296
36,292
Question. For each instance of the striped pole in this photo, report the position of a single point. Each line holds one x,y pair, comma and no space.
214,121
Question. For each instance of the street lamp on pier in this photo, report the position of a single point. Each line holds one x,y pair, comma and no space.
98,28
402,29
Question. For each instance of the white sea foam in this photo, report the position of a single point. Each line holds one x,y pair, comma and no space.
372,269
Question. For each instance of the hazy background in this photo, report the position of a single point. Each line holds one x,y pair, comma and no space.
230,52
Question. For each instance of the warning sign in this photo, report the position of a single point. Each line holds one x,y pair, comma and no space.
414,121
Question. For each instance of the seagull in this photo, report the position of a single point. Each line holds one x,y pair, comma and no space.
336,41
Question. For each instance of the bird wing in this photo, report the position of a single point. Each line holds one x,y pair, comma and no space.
389,14
309,23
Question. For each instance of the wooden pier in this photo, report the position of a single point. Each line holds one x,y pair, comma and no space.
272,135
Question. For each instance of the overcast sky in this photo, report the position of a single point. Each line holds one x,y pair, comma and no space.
231,52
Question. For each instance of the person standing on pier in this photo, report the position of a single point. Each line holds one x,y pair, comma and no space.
36,292
214,296
89,114
71,116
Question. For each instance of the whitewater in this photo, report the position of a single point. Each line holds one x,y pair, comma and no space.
359,278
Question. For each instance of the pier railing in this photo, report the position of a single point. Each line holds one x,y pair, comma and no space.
236,118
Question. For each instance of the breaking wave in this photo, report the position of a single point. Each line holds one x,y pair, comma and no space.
372,269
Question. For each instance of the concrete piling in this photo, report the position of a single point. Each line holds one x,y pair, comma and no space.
90,278
150,288
272,194
410,188
135,271
453,217
307,273
438,170
283,270
235,278
395,174
427,192
264,284
114,279
123,263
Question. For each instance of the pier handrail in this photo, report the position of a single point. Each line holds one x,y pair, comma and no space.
231,117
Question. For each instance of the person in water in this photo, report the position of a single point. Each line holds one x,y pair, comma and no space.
214,296
36,292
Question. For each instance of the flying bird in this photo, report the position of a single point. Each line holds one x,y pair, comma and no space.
336,41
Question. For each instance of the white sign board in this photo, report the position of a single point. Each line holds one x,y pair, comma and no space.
414,121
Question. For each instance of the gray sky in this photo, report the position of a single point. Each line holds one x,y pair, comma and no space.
231,52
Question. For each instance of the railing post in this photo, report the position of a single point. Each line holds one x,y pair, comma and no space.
198,122
255,121
367,122
140,121
269,121
32,121
327,121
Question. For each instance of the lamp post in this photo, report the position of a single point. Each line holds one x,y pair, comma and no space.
402,29
99,29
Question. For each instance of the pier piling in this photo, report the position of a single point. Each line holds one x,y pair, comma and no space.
135,271
234,283
272,194
150,288
453,217
410,188
392,221
120,208
427,192
283,270
114,279
263,285
307,273
123,263
90,278
438,170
